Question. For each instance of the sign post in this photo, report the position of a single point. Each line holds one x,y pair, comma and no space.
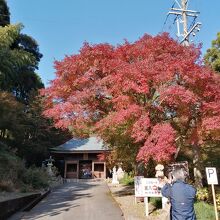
146,206
212,180
151,188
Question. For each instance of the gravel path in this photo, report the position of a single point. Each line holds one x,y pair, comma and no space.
124,195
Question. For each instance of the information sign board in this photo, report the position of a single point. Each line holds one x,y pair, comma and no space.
151,187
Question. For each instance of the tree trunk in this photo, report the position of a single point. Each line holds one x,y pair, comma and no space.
197,166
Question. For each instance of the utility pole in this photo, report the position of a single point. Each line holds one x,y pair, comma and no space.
182,14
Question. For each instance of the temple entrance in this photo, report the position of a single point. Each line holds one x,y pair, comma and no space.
71,170
85,169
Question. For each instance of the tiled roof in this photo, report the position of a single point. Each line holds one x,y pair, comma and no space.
87,144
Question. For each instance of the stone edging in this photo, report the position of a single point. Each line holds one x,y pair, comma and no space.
122,211
9,207
36,201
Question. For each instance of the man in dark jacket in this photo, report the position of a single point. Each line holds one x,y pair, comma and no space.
181,196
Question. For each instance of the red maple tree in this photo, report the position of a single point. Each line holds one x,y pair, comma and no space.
154,91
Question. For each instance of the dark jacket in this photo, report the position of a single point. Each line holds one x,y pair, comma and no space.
182,197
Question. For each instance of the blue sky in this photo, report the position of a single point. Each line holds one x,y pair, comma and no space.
61,27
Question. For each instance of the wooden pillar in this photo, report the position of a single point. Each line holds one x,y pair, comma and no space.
65,170
104,170
77,169
92,169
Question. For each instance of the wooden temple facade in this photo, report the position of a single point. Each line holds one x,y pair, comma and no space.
78,158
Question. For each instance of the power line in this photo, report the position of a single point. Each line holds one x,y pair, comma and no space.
193,22
166,18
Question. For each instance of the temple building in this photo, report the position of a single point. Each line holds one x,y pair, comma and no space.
78,158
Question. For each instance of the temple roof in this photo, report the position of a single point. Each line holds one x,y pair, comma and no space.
80,145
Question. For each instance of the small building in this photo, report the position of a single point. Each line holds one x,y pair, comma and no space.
78,158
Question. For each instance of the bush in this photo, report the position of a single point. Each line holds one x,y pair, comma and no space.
11,169
36,177
156,202
6,185
202,194
128,179
15,176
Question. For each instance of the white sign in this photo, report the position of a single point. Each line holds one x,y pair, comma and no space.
151,187
211,175
138,186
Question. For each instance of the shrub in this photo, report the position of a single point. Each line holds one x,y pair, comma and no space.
55,171
14,175
156,202
128,179
6,185
36,177
11,169
202,194
25,188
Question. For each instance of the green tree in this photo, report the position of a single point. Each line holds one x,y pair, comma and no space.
26,131
28,80
38,134
11,115
20,56
4,13
212,56
22,127
12,60
18,64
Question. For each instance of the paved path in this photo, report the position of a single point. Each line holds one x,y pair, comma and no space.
80,201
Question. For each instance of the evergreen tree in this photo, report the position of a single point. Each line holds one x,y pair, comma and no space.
20,57
212,56
4,13
22,127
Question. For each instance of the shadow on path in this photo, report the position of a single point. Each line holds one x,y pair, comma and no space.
76,200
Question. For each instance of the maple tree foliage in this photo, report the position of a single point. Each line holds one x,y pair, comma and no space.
154,91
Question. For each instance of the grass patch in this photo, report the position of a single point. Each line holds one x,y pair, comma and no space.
204,211
156,202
